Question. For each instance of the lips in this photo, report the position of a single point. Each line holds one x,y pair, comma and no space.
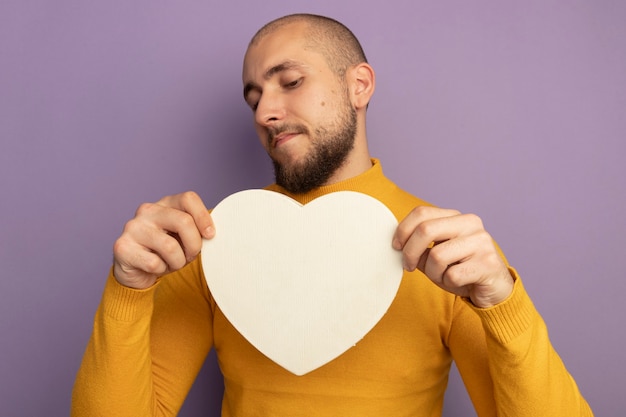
282,138
277,135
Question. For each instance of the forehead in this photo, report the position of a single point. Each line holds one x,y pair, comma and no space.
285,44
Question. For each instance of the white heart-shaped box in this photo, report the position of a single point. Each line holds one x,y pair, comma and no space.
302,283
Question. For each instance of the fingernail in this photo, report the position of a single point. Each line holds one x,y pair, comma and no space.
209,232
396,244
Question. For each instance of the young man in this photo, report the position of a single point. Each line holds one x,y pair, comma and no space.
308,83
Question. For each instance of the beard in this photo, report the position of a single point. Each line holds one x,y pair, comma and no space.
330,148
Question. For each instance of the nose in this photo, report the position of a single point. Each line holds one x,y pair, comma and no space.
270,109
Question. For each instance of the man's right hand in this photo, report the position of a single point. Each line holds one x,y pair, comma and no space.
162,237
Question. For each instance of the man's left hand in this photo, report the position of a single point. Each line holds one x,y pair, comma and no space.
455,252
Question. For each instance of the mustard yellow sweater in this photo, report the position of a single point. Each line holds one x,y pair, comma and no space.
148,346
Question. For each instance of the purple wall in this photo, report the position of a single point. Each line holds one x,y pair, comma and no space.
516,112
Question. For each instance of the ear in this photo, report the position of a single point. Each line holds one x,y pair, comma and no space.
363,82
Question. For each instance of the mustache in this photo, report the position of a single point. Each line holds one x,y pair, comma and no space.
277,130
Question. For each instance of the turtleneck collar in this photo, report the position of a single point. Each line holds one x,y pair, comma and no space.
370,180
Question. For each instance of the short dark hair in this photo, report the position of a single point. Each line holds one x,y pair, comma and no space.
332,39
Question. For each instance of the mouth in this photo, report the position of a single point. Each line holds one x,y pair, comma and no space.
276,141
279,135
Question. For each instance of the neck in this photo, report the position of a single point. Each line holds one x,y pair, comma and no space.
357,163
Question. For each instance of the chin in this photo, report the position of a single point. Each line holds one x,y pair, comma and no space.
289,159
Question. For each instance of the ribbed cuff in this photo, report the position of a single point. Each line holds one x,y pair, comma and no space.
510,318
124,303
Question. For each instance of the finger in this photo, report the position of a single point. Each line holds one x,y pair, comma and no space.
463,261
169,232
438,230
461,274
425,236
141,259
415,219
159,237
442,257
191,203
136,266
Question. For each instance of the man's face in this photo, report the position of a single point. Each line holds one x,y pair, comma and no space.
302,112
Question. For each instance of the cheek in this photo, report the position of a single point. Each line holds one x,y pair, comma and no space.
319,110
314,103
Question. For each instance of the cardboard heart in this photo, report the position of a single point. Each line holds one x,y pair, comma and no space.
302,284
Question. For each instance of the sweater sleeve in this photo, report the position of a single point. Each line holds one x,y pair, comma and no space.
146,348
527,376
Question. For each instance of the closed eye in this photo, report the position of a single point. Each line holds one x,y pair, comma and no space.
252,102
288,86
294,83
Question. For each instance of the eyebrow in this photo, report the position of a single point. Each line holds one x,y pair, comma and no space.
282,67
